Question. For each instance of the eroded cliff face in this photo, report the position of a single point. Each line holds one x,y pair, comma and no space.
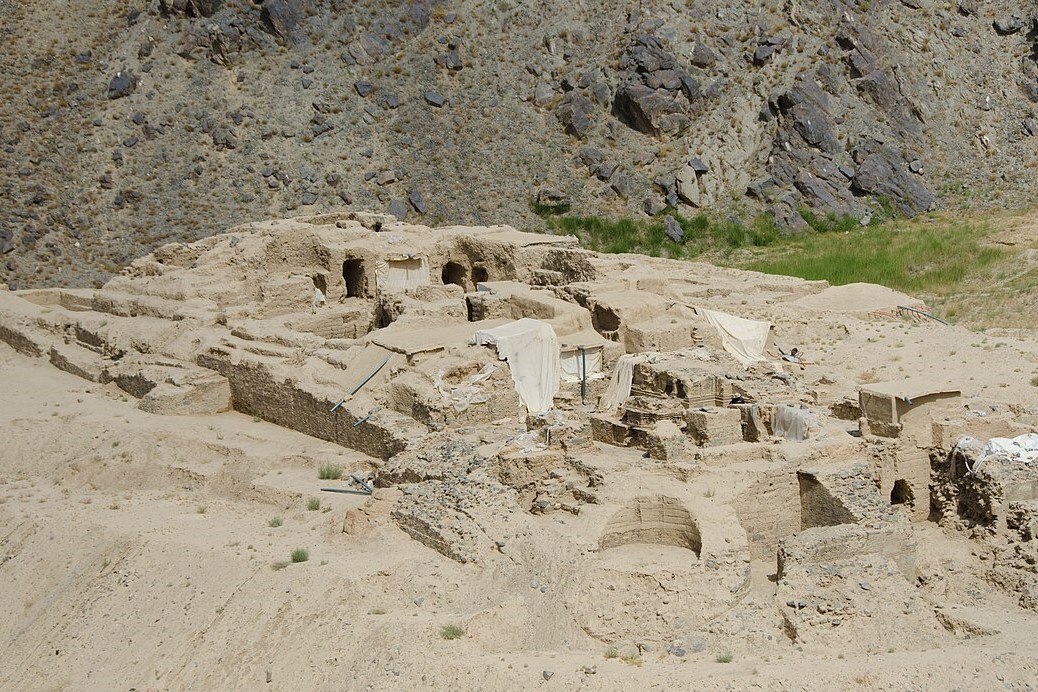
127,127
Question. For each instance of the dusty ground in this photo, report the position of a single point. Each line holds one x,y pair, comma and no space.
152,551
137,555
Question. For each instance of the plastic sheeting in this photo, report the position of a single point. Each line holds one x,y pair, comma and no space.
744,339
532,351
401,272
1020,448
619,389
793,423
464,395
572,364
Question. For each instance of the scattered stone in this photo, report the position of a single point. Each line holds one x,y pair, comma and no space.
309,198
547,674
189,8
363,88
543,94
122,84
623,185
392,101
1008,24
702,56
574,113
345,197
224,138
130,142
763,54
653,206
280,17
551,197
415,198
673,229
434,99
386,177
398,209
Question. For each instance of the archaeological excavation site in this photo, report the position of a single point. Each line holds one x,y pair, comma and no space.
346,452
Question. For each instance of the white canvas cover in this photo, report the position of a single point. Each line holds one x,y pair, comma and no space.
400,272
1022,447
793,422
744,339
619,389
532,351
572,364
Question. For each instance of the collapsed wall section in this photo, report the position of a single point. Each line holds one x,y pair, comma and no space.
269,389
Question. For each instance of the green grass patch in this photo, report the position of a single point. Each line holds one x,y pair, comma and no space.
313,504
274,522
329,472
907,256
451,632
724,658
702,233
300,555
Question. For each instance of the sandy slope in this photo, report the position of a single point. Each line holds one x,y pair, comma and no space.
114,578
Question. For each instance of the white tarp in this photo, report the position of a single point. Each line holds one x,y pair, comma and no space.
573,363
619,389
744,339
532,351
1020,448
467,393
401,272
793,423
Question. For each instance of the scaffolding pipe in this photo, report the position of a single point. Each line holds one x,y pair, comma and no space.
583,376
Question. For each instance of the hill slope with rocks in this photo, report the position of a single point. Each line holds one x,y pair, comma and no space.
127,126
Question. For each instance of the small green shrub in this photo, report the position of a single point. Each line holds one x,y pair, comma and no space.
726,657
611,652
829,223
546,210
313,504
274,522
300,555
329,472
451,632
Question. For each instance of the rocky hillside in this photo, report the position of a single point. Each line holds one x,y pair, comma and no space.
128,125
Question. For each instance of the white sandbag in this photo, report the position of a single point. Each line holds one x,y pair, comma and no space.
532,351
744,339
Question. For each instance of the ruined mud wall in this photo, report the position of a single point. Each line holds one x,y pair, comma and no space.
768,510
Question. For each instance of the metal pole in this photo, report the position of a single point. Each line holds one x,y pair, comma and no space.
583,376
